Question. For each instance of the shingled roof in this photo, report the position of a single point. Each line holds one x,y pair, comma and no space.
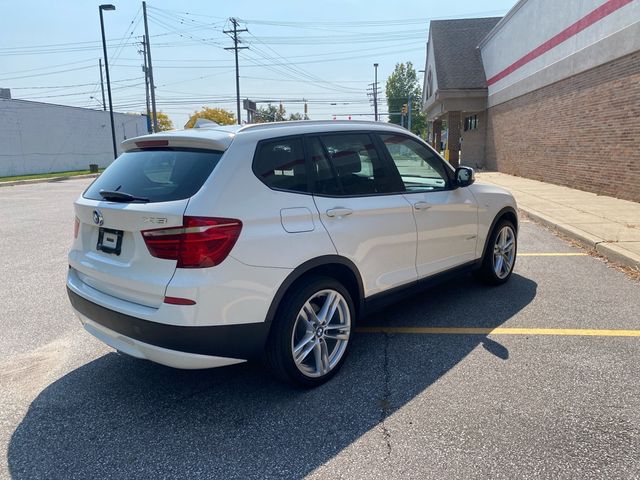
457,58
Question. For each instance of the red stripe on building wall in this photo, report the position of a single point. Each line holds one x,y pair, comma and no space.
598,14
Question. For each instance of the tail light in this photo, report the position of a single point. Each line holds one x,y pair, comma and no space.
76,227
201,241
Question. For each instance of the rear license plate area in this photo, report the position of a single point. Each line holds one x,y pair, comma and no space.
109,241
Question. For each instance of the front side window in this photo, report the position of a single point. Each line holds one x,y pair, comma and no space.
280,164
357,165
421,170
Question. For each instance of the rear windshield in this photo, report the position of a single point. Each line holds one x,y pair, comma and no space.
160,175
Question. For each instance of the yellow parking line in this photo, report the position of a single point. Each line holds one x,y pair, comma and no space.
567,254
501,331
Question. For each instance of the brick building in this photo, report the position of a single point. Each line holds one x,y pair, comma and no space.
558,98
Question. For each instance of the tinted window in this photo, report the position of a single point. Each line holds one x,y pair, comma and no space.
325,181
280,164
359,169
420,168
159,175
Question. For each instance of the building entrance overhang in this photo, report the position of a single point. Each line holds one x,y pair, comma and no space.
443,101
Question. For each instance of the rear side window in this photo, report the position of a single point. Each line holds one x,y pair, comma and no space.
360,169
280,164
161,175
325,180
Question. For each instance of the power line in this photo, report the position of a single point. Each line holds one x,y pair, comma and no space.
48,73
124,39
53,87
373,23
278,63
75,94
302,72
87,60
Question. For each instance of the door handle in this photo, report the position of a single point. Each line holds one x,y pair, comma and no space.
422,206
339,212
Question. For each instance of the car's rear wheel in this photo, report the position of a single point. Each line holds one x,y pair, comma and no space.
310,336
500,255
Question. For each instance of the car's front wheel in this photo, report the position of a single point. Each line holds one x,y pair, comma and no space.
311,334
500,255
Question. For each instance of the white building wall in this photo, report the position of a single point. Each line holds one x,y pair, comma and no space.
531,23
41,138
430,67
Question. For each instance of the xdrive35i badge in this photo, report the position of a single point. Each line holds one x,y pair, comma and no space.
97,217
156,220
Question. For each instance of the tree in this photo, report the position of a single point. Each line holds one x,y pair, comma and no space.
164,122
270,113
401,85
218,115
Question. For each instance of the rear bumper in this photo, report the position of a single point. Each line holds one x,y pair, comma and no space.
168,344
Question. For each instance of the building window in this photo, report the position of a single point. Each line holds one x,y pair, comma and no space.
471,123
429,84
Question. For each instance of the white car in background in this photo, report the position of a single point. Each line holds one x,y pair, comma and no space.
215,245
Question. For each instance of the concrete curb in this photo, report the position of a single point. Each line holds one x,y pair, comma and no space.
609,250
589,241
618,254
47,179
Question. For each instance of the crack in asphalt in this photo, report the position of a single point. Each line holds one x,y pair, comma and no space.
385,403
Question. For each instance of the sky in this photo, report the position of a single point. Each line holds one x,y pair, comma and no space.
322,52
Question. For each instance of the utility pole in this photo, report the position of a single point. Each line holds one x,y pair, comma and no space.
145,68
235,47
104,103
375,93
152,87
108,7
409,113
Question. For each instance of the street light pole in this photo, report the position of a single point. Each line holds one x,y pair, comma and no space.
104,103
375,93
106,69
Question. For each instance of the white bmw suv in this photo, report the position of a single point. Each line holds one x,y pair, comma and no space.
212,246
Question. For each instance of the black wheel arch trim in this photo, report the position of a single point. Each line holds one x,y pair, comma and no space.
498,216
306,267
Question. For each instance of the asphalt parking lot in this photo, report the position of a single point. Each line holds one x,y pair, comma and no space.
411,402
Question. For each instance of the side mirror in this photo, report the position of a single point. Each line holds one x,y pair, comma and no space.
464,176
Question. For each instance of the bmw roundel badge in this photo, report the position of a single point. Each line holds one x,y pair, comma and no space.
97,217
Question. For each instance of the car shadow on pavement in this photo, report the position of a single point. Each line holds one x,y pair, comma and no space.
119,417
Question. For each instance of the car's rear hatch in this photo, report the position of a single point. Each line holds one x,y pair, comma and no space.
144,189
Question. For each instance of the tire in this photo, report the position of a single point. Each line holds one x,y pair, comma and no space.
321,351
499,260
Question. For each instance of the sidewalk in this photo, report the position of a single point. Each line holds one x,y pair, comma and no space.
53,178
606,224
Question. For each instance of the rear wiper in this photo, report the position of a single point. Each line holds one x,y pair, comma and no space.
113,196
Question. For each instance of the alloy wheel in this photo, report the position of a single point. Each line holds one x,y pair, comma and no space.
321,333
504,252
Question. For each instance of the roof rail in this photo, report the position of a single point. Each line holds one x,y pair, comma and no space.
253,126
